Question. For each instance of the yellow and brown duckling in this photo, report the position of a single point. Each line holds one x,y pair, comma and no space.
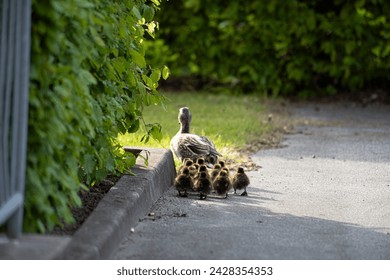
222,184
186,163
203,168
226,170
200,161
240,181
203,185
215,171
183,182
193,171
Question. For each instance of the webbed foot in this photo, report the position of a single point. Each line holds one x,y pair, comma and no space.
244,193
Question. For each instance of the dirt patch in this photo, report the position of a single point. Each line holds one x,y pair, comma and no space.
90,199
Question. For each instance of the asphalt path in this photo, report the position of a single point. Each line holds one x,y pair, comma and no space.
324,195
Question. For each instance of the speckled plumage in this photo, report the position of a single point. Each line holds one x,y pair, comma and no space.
215,171
187,145
203,185
240,181
222,184
183,182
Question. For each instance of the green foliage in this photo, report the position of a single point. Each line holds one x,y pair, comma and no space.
90,81
278,47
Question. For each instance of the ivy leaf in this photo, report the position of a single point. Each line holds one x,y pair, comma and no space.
138,58
134,126
155,76
89,163
156,2
148,12
136,13
155,132
165,72
87,76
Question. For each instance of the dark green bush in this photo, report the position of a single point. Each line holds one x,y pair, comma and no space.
89,82
278,47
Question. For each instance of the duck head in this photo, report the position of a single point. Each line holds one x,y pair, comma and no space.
184,118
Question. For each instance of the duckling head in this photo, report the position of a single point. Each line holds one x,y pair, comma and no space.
186,171
217,166
223,173
188,162
203,168
200,161
202,175
240,170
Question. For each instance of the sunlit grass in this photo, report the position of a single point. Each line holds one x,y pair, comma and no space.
229,121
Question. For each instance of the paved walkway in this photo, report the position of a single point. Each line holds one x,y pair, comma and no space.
325,195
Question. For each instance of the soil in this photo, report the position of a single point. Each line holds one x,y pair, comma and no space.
90,199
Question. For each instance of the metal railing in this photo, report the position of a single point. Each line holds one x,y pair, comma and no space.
15,25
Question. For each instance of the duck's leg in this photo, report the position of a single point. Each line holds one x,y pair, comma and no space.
244,193
183,195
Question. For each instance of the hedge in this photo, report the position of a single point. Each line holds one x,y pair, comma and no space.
278,47
89,81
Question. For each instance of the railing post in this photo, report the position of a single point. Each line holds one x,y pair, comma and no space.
15,30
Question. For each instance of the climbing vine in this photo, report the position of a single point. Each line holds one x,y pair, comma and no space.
89,81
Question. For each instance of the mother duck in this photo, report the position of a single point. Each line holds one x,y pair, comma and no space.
187,145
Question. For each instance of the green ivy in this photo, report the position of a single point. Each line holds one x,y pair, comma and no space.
277,47
89,82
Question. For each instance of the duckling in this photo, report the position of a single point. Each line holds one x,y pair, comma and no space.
240,181
200,161
183,182
187,145
226,170
186,163
203,185
193,171
215,171
221,163
222,183
203,168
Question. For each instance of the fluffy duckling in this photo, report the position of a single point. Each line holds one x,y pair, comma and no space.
186,163
222,184
200,161
183,182
203,185
226,170
215,171
222,163
193,171
203,168
240,181
187,145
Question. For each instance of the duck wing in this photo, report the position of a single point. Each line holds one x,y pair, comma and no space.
196,144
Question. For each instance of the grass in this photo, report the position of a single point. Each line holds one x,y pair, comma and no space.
230,121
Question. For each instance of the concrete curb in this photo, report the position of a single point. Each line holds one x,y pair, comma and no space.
122,207
120,210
